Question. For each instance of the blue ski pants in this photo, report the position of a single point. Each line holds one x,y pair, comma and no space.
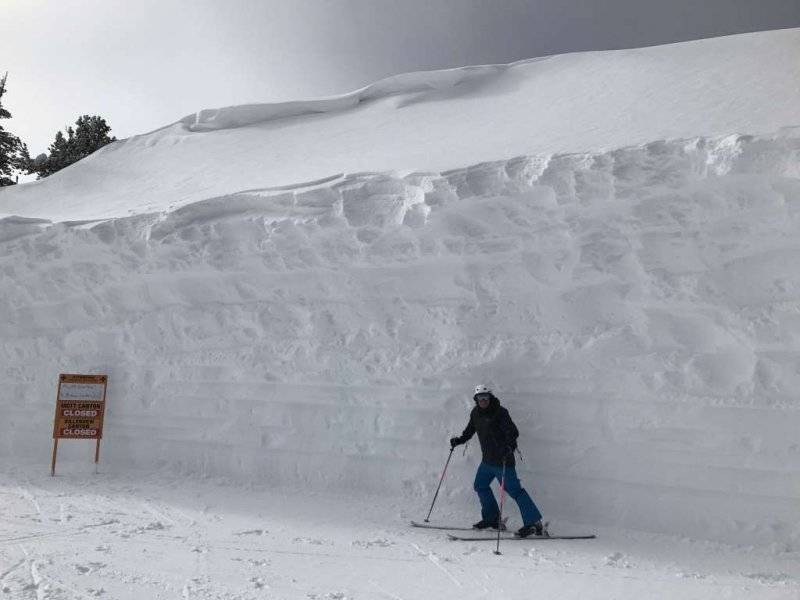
489,509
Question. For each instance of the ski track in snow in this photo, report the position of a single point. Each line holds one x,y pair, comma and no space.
218,554
434,560
25,493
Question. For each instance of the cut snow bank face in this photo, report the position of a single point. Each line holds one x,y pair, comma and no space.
437,121
636,310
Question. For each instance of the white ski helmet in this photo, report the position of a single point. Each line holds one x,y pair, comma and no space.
482,389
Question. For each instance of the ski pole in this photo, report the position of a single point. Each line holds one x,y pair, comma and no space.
502,499
441,479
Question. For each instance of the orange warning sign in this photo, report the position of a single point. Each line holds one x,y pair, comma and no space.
80,407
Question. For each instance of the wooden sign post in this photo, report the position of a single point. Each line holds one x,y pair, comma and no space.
80,408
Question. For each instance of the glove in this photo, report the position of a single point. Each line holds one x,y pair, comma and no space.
455,441
508,451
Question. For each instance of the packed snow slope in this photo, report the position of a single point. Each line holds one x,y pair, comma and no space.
637,309
438,121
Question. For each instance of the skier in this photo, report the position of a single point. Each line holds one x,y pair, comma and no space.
498,437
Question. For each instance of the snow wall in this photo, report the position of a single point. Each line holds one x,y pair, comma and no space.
638,311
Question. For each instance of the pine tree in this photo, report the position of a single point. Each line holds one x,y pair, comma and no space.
90,134
12,150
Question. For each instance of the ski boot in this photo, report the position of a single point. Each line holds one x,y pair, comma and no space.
537,529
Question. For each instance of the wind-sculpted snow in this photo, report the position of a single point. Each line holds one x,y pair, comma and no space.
637,310
437,121
451,81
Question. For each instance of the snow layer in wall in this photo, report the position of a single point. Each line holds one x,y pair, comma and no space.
637,310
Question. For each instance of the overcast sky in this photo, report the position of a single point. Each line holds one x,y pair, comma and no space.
146,63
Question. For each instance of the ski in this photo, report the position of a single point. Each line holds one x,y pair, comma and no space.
462,538
447,527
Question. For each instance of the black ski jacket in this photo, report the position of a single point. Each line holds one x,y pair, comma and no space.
496,433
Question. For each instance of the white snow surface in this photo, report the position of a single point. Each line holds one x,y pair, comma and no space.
635,306
437,121
137,536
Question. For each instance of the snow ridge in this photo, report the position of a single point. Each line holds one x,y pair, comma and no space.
406,83
434,122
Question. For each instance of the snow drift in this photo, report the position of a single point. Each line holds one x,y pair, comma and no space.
635,308
437,121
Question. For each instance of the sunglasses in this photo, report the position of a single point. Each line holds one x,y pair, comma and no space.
483,396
